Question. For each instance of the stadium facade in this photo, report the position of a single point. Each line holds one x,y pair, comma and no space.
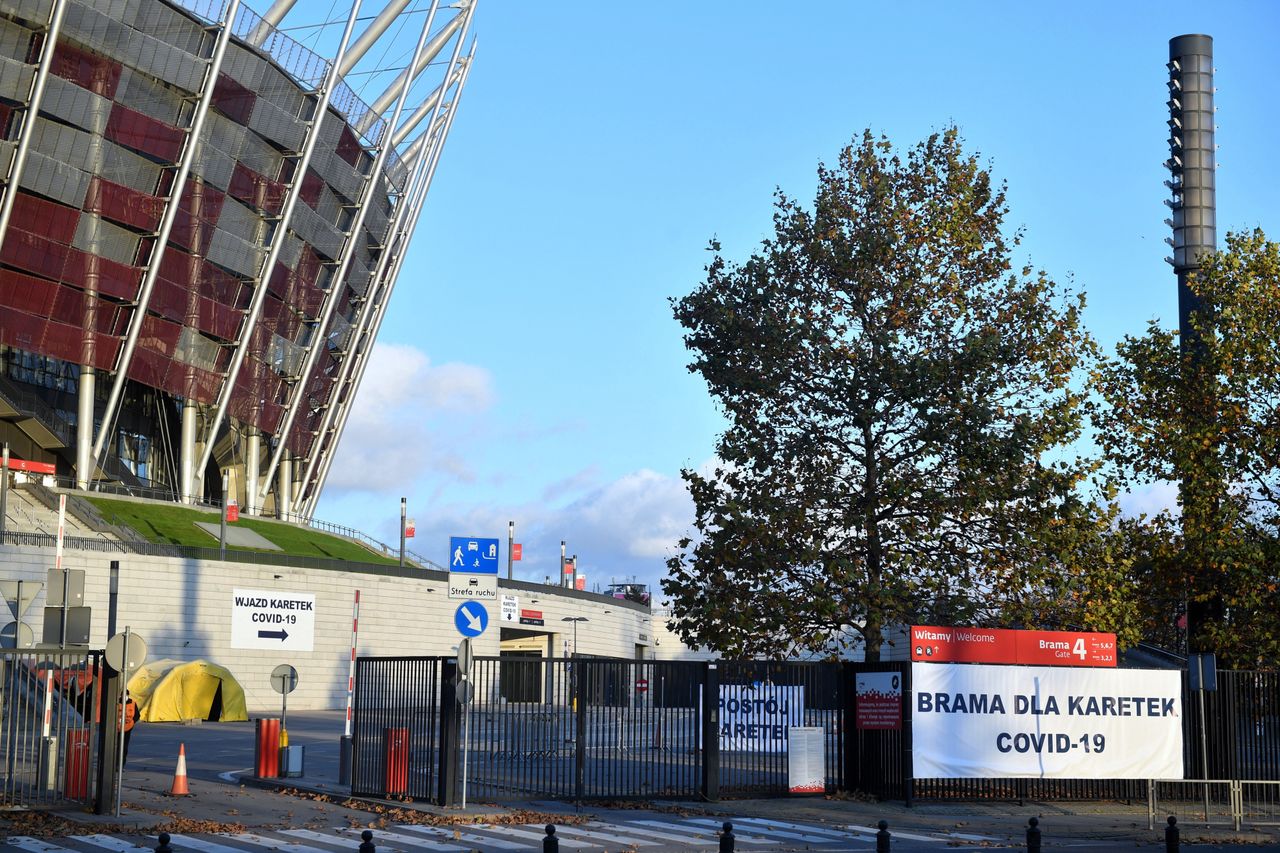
201,226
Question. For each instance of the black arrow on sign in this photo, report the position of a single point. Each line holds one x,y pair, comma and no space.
280,635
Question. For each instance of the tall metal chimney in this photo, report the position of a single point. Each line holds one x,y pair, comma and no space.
1191,163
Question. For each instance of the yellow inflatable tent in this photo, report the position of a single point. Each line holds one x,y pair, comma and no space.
172,691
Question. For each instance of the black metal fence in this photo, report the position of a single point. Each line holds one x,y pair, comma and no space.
593,728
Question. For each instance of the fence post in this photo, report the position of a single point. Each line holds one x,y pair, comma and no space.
850,766
1151,804
580,669
710,732
449,718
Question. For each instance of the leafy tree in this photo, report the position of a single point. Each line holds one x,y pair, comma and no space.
898,402
1206,414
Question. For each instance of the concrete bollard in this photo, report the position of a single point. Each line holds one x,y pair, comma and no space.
1171,836
366,842
1033,836
727,840
164,844
882,837
551,844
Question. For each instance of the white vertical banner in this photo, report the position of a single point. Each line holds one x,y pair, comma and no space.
1045,722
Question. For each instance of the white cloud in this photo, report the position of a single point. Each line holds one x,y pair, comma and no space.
394,434
1150,499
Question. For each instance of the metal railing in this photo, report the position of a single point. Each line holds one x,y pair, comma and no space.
1204,802
1259,802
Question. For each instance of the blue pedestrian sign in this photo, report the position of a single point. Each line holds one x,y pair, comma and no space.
471,618
473,556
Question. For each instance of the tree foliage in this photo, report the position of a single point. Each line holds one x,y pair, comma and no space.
1207,415
898,401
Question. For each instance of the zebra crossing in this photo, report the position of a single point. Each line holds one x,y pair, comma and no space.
638,835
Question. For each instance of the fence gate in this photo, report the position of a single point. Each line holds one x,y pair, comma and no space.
48,726
394,735
586,728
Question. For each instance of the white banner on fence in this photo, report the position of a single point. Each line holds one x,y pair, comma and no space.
975,721
755,717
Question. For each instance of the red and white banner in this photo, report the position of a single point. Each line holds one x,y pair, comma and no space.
517,550
932,644
1045,722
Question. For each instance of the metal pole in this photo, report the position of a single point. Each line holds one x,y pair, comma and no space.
222,528
466,730
562,564
29,117
511,540
1204,740
402,517
162,237
124,698
66,576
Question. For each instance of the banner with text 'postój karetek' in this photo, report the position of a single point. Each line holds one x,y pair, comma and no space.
977,721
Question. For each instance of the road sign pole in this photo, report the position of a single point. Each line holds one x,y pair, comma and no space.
120,720
511,541
222,527
561,562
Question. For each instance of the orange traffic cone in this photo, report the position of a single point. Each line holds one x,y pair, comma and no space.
179,788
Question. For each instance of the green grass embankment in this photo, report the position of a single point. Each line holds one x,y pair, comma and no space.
176,525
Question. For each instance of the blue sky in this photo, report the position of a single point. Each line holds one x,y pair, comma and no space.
529,368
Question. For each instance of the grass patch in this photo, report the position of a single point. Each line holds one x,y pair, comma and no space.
176,525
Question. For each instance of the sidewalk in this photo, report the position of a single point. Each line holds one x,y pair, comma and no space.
225,793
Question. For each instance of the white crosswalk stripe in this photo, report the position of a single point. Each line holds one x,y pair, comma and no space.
856,833
692,836
774,833
34,845
458,834
710,827
200,845
110,842
274,843
320,838
404,842
535,832
913,837
571,833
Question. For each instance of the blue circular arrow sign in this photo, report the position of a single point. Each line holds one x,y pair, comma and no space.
471,618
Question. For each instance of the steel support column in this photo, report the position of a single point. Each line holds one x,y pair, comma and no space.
407,200
338,282
284,488
252,455
166,226
29,117
250,323
84,427
434,157
187,452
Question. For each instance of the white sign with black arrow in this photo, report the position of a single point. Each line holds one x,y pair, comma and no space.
270,619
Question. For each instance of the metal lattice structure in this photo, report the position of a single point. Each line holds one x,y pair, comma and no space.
201,224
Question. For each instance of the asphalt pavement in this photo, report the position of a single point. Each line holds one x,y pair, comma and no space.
306,814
